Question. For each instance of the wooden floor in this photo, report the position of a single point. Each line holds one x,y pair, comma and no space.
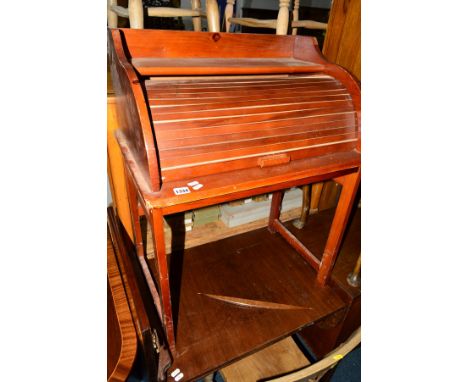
277,359
243,293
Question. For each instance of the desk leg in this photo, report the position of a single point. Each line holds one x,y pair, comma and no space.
300,223
350,185
138,240
157,229
275,210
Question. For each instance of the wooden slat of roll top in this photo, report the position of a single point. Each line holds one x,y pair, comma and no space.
259,142
195,170
248,118
220,104
316,120
235,79
161,118
213,86
194,100
192,157
190,139
240,90
236,86
155,85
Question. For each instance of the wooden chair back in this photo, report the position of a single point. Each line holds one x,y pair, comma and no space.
135,13
281,24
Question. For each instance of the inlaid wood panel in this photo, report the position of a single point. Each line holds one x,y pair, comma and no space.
121,334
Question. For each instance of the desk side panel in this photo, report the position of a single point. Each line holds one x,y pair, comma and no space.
132,111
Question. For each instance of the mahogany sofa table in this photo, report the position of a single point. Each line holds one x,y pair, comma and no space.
208,118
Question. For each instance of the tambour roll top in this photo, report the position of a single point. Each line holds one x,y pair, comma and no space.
206,103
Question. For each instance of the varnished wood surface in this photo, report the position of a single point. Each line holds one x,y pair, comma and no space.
114,337
244,182
153,177
147,324
173,44
251,266
206,66
132,115
282,357
199,124
121,334
322,339
219,54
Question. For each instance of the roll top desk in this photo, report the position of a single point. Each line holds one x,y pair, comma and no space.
208,118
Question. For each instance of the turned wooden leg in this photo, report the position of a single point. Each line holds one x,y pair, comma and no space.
283,18
196,19
275,209
350,185
212,15
228,12
300,223
295,15
112,17
157,229
135,14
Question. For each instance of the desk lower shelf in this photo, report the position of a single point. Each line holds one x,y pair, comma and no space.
237,295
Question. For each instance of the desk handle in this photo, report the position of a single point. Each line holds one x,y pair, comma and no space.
273,160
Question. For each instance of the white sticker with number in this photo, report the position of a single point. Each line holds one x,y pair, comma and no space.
181,190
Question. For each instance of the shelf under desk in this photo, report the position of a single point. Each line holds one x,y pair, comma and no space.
237,295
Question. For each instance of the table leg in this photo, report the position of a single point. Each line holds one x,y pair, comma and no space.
275,209
157,229
134,215
300,223
354,278
350,185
